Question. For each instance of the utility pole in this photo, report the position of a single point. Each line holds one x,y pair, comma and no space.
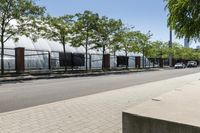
170,46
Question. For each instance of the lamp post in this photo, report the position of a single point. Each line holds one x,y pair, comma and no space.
170,46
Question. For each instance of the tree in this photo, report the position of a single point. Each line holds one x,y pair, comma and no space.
184,18
181,53
159,49
17,18
106,29
115,44
128,41
143,43
84,31
176,50
59,29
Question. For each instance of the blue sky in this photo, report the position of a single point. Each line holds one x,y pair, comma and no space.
145,15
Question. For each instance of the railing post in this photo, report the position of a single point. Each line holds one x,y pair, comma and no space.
19,60
106,61
49,60
161,62
137,62
72,61
90,59
127,62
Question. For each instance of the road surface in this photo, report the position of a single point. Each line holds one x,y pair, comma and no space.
14,96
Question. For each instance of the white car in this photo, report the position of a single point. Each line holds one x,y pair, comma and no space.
192,64
179,65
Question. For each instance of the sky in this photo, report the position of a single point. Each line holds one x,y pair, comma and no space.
145,15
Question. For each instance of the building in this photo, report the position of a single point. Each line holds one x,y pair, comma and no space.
198,47
187,43
37,54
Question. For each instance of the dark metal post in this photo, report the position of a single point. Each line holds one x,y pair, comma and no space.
90,58
143,61
49,60
170,46
72,61
137,62
19,60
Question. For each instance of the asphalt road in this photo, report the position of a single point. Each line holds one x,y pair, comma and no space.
14,96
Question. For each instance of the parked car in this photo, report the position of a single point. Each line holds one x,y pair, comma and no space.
179,65
192,64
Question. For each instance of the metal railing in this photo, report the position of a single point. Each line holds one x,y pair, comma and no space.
43,60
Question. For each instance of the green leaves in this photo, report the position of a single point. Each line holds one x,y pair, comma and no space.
106,30
58,28
184,18
159,49
128,41
179,52
84,28
19,17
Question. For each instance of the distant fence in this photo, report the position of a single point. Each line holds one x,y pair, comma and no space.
56,60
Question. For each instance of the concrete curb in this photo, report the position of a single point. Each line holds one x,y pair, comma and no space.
57,76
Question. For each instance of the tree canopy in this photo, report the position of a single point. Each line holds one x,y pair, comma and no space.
84,30
183,17
159,49
17,18
106,29
59,29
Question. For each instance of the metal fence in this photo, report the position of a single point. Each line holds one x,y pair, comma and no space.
36,59
55,60
9,59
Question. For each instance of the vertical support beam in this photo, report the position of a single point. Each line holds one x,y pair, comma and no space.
170,46
143,59
72,61
150,61
138,62
90,64
49,60
154,60
161,62
127,62
19,60
174,61
106,61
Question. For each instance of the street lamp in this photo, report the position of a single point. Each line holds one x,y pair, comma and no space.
170,46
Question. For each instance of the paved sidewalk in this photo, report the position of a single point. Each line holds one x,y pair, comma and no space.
98,113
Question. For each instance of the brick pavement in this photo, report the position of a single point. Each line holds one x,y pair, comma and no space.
98,113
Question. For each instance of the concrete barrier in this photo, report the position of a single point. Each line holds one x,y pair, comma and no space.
174,112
